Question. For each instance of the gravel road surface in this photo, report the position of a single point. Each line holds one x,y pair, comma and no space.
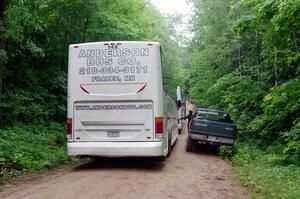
184,175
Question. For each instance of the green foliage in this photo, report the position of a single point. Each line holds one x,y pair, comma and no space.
247,65
231,93
31,147
173,72
265,173
246,61
3,56
227,152
29,107
281,107
292,138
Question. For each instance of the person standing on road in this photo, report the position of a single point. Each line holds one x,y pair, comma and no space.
189,117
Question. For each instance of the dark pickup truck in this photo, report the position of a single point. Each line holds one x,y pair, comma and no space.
210,126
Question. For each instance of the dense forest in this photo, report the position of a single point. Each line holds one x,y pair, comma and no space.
244,58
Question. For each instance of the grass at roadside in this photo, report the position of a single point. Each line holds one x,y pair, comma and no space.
267,173
32,147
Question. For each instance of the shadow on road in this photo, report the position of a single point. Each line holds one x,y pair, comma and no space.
121,163
207,149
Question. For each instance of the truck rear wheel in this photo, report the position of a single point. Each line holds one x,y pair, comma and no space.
190,145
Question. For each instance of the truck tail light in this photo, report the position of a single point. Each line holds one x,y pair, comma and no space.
69,128
159,127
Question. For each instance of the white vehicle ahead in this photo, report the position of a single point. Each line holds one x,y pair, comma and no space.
116,103
180,109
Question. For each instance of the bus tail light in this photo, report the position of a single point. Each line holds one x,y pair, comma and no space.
159,127
69,128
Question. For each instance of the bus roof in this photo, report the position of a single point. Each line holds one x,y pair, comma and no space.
118,43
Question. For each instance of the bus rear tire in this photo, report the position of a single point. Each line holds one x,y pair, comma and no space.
190,145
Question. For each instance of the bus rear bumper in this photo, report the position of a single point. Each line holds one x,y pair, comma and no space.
116,149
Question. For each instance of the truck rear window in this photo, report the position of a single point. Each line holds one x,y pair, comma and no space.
215,116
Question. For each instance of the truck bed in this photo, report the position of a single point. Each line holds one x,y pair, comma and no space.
212,126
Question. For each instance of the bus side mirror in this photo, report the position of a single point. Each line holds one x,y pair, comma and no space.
179,104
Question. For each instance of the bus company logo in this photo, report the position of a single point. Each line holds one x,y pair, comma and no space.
113,107
126,56
126,52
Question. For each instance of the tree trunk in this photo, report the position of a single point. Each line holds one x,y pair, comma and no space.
257,55
240,54
295,40
275,66
85,26
3,7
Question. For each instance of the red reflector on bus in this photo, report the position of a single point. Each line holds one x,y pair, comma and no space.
76,46
141,89
119,43
82,88
159,128
150,44
105,44
69,126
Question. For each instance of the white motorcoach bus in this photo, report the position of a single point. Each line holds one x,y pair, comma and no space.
116,103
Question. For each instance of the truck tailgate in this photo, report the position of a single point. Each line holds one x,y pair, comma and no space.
213,128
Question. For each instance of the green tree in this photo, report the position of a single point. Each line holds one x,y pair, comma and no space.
245,59
3,20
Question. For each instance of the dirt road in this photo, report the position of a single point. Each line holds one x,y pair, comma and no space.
184,175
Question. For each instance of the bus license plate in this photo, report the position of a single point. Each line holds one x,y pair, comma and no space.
113,134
